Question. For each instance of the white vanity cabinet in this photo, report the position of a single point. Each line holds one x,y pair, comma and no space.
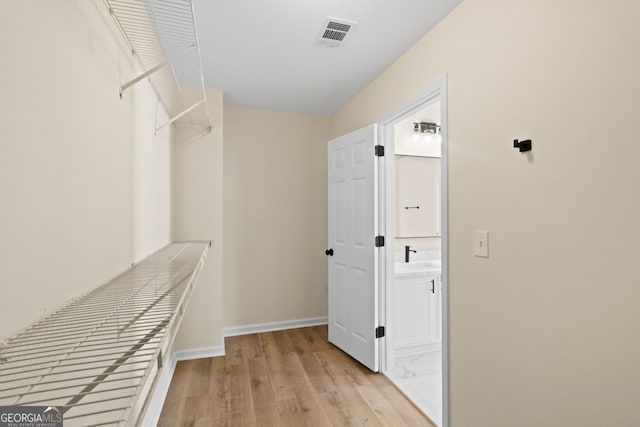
418,308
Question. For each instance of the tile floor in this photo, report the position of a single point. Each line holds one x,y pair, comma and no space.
419,376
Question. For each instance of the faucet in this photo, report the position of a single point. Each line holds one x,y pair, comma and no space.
407,250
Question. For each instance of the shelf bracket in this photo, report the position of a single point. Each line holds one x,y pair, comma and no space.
141,77
176,117
149,72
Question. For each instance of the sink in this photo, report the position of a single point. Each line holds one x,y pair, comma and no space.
430,266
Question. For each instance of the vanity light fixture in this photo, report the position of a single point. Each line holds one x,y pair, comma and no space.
429,131
416,132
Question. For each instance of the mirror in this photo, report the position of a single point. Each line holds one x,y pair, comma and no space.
417,194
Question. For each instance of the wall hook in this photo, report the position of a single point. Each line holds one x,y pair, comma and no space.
522,145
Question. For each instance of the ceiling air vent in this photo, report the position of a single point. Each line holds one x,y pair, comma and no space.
334,31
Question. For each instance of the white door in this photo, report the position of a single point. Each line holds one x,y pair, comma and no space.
353,273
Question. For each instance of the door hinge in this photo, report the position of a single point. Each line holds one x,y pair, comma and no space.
379,241
380,332
380,150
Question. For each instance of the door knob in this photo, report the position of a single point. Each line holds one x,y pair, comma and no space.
329,252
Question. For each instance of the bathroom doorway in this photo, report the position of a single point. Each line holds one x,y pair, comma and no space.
415,353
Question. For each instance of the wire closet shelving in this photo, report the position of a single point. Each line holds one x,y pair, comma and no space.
162,36
98,357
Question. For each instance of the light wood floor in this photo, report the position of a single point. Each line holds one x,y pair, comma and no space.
284,378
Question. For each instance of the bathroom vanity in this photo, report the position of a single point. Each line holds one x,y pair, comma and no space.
418,304
416,359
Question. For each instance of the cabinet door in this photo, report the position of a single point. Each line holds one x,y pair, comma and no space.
417,310
417,196
411,312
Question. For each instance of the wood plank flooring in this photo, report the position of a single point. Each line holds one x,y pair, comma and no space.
284,378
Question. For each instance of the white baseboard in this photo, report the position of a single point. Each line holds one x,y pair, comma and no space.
199,353
152,416
273,326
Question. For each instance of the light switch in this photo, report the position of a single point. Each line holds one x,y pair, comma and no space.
481,243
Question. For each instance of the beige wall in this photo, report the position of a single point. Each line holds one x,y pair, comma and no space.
275,216
197,215
151,173
75,158
545,331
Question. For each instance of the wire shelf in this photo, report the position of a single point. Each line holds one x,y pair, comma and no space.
98,356
162,34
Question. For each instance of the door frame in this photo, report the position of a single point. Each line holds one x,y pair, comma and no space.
437,90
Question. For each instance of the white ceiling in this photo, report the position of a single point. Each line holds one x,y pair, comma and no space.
265,54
